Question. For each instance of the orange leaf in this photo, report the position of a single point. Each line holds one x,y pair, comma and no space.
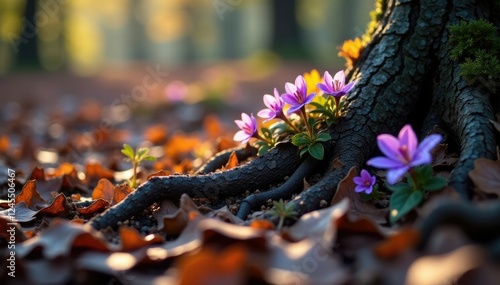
30,196
132,239
4,144
58,207
232,161
397,244
212,127
104,190
120,192
97,206
156,134
213,267
95,171
262,224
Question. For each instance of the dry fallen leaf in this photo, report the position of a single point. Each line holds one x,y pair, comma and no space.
486,176
30,196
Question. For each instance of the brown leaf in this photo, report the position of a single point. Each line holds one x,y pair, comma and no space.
262,224
232,161
4,144
61,238
49,188
120,192
30,196
175,223
224,143
358,209
59,207
486,176
95,171
156,134
159,173
398,243
226,267
181,144
212,127
104,190
131,239
37,174
97,206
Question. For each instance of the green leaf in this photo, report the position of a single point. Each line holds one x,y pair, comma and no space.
329,121
302,151
317,105
263,149
141,152
399,187
434,184
301,139
128,151
149,158
266,133
402,202
424,172
311,122
316,150
323,137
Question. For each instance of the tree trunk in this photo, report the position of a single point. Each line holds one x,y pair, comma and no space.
404,75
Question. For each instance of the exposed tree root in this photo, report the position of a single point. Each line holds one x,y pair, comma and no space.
293,185
221,158
251,176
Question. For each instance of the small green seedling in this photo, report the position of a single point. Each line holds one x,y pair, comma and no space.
282,212
140,155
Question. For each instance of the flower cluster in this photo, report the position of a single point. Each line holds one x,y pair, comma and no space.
298,113
403,156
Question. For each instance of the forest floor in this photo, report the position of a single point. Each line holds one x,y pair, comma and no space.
60,142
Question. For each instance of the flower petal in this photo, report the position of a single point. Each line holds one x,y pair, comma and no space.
324,88
340,77
408,137
327,78
290,99
394,175
429,143
266,113
240,124
360,188
290,88
389,145
349,87
301,85
268,100
293,109
384,163
358,180
309,98
241,136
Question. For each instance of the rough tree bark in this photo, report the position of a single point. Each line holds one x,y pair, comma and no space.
405,74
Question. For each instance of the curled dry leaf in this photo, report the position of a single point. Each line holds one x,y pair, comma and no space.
359,209
131,239
30,196
174,224
104,190
97,206
486,176
95,171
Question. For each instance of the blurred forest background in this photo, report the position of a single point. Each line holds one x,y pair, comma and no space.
85,35
71,68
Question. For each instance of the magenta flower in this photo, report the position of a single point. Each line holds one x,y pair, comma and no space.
248,127
403,152
274,104
296,95
335,86
365,182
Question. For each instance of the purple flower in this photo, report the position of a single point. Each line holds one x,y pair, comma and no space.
335,86
248,127
364,182
403,152
296,95
274,104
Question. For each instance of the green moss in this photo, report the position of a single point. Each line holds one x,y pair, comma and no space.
476,46
376,16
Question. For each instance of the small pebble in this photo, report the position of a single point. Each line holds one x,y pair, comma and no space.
323,204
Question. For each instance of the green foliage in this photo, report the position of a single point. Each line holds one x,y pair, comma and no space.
312,145
476,46
408,196
140,155
375,15
282,211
